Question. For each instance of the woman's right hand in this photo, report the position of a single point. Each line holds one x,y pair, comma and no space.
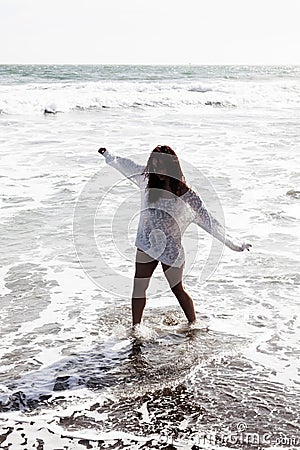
102,150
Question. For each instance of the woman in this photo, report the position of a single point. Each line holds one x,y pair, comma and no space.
168,207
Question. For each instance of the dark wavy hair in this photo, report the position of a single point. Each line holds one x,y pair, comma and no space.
164,161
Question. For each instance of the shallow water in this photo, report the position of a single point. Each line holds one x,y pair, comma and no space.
69,363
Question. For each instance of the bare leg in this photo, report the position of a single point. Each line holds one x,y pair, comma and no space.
174,277
144,268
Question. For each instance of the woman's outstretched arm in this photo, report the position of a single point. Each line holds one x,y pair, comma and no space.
205,220
126,166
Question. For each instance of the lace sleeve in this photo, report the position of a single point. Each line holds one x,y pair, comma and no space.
205,220
126,166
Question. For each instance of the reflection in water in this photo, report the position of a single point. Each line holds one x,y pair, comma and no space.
137,359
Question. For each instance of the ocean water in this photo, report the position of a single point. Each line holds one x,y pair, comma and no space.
72,374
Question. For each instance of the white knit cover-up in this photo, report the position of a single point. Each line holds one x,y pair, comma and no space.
162,223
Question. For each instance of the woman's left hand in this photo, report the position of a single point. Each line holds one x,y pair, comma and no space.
246,247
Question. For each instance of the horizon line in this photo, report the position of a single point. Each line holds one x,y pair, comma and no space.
148,64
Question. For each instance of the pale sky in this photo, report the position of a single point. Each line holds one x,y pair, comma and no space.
150,32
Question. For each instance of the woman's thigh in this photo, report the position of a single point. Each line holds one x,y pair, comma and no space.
144,268
144,264
173,275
